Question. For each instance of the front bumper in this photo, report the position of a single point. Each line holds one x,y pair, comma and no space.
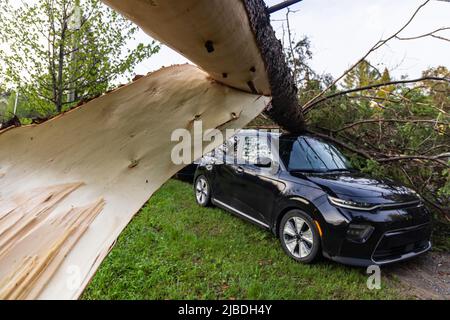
399,234
394,246
402,244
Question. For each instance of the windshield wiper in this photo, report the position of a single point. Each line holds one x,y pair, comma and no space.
341,170
307,171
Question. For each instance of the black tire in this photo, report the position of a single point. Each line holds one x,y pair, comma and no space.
298,246
202,189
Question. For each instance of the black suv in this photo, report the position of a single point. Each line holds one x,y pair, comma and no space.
304,190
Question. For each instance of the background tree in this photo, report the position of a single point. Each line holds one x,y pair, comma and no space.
394,128
399,131
62,51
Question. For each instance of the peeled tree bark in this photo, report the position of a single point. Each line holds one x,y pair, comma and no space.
233,40
69,186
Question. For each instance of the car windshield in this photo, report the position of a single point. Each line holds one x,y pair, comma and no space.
308,154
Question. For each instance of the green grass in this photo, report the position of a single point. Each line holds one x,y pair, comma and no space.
174,249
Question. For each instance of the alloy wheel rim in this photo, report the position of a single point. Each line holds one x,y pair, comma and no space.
298,237
201,190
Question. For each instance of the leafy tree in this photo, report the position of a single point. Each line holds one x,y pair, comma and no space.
391,128
61,51
298,54
399,131
3,105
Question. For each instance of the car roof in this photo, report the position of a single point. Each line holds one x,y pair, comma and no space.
274,134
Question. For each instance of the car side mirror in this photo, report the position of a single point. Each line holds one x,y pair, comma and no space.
264,162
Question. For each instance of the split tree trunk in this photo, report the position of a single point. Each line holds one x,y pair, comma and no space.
232,40
69,186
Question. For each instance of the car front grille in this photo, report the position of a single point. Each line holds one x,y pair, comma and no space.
400,205
395,245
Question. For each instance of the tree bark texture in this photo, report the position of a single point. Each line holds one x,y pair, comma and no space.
284,109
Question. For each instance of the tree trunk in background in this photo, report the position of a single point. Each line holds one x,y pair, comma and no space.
285,109
60,84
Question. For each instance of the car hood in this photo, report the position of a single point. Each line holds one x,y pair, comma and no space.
361,187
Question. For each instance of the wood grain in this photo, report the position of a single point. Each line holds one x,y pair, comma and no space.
69,186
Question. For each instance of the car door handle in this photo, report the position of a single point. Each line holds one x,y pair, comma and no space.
240,170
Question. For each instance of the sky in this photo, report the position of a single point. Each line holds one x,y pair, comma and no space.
342,31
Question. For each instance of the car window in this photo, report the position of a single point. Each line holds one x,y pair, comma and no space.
252,148
303,157
243,149
309,154
329,156
225,153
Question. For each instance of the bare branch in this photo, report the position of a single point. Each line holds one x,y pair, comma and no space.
384,157
437,158
372,86
291,48
378,45
434,122
429,34
341,144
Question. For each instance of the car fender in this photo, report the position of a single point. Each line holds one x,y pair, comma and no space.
286,204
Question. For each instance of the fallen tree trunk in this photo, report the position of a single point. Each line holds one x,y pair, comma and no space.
232,40
69,186
284,108
214,34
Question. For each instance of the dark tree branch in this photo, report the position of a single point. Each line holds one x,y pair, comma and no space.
284,108
373,86
437,158
352,125
359,152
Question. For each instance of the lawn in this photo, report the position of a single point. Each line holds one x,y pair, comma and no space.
174,249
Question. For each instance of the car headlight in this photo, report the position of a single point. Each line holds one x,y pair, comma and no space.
359,233
351,204
414,192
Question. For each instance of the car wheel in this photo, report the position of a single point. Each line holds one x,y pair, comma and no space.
202,191
299,237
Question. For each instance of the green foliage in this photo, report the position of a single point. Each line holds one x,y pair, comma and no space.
60,52
371,167
384,122
392,121
445,190
174,249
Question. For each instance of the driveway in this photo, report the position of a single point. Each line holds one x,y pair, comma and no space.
427,277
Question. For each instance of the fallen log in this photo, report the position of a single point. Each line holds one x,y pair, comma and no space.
284,108
232,40
69,186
